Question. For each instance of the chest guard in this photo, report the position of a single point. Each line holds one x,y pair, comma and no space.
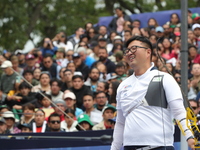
155,95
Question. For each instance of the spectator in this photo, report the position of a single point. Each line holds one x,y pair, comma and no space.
193,54
80,65
108,113
69,124
60,57
55,89
94,114
103,31
39,125
54,123
44,83
95,48
8,78
69,55
25,128
61,73
84,122
28,111
93,79
10,122
174,21
196,30
36,74
70,100
112,91
3,126
48,47
75,40
31,62
28,75
21,57
15,63
160,32
121,71
136,23
196,77
67,80
195,106
127,35
49,65
79,89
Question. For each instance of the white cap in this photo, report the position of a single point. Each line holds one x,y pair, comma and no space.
196,25
8,114
117,37
6,64
69,95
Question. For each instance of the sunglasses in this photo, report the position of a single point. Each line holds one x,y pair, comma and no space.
55,121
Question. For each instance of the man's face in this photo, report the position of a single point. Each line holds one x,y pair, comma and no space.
80,31
194,107
108,114
103,55
28,77
30,62
7,70
136,24
197,32
77,61
3,127
101,99
82,56
102,43
70,102
102,30
25,91
47,62
120,70
77,83
68,76
195,70
159,34
57,110
166,29
54,123
55,88
94,75
88,102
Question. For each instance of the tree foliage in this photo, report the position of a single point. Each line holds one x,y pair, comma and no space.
21,19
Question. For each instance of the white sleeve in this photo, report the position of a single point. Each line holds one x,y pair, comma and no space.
118,131
179,113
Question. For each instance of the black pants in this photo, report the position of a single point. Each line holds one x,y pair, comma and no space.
159,148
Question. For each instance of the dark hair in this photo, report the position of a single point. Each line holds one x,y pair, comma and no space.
53,115
120,64
28,106
128,31
24,85
27,71
93,69
104,49
40,110
116,45
190,46
67,70
115,85
106,85
58,82
77,76
176,15
89,94
69,110
141,39
97,93
63,33
137,20
40,96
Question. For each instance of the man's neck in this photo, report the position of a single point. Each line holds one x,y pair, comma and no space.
139,70
88,111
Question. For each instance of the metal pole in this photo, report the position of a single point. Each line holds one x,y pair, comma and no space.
184,58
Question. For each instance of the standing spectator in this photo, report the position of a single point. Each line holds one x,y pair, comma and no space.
67,80
69,124
108,113
54,123
79,89
75,40
60,57
49,65
56,92
48,47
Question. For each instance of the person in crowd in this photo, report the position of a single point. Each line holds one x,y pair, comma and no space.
28,116
79,89
49,65
193,54
67,80
93,79
21,58
39,125
3,126
108,113
75,40
15,63
138,55
196,30
121,71
48,47
69,55
55,92
59,108
61,74
25,128
31,62
11,122
84,123
36,74
195,106
103,31
70,100
28,75
112,91
60,57
44,84
54,123
69,124
167,48
136,23
195,80
174,21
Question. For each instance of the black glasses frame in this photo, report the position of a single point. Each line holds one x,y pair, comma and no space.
133,49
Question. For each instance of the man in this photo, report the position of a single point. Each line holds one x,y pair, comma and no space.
54,123
108,113
194,105
31,62
127,35
94,114
28,75
21,57
75,40
159,32
55,89
138,104
101,101
49,65
79,89
60,108
196,29
136,23
93,79
195,80
3,126
8,78
103,31
67,80
121,71
80,65
25,128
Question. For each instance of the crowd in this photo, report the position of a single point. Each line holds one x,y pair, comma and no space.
69,84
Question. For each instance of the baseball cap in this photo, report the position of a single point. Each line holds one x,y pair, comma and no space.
8,114
159,29
20,126
111,76
195,16
30,56
76,55
196,25
2,120
69,95
109,107
6,64
61,49
84,118
112,120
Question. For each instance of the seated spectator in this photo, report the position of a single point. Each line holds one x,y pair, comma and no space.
121,71
84,123
69,124
103,87
94,114
196,77
36,74
60,57
28,75
11,122
69,55
112,91
79,89
61,73
39,125
193,54
174,21
55,89
31,62
70,100
103,71
111,77
54,123
28,111
67,80
72,66
44,84
25,128
60,108
3,126
108,113
112,122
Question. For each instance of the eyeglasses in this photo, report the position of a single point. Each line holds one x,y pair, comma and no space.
101,97
133,49
55,121
178,77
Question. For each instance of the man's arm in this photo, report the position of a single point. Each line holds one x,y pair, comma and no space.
118,131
